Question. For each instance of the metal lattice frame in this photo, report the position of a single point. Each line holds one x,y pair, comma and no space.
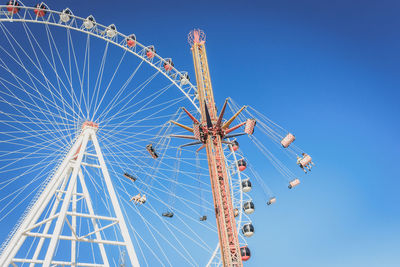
68,173
235,180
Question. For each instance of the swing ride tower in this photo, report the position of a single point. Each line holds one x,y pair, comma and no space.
228,237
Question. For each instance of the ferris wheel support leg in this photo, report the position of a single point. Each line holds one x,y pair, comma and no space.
73,226
37,209
213,256
52,212
66,201
91,212
115,203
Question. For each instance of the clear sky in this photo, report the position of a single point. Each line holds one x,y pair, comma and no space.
326,70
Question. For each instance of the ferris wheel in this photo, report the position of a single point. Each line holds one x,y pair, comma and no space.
94,170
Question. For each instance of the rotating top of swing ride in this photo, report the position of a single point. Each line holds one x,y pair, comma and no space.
143,177
237,165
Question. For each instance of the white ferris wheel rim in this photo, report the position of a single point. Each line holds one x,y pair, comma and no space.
53,19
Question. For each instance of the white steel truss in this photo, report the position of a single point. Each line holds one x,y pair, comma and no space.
62,188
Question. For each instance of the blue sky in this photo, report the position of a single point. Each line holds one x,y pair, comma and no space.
325,70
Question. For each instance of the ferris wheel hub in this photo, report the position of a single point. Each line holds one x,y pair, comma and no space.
90,124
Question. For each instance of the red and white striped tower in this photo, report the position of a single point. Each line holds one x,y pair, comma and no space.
228,237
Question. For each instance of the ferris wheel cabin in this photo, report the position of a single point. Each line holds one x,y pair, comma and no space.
111,31
248,207
235,145
248,230
184,79
13,7
40,10
246,185
150,52
168,65
245,253
241,163
65,15
131,40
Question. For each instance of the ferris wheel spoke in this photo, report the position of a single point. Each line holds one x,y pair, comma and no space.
149,116
170,225
150,230
155,213
11,94
114,101
147,222
139,150
189,174
16,119
19,122
39,146
137,236
130,130
127,136
31,136
31,76
30,36
30,169
24,106
71,93
204,246
98,103
36,120
15,206
25,149
117,160
81,77
145,100
54,66
22,189
149,186
96,88
127,99
172,194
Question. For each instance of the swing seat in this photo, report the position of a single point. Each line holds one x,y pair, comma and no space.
168,214
152,151
203,218
127,175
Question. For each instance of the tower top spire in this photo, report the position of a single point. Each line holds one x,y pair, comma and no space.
196,36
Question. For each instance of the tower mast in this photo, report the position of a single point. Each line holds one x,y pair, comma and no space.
228,238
